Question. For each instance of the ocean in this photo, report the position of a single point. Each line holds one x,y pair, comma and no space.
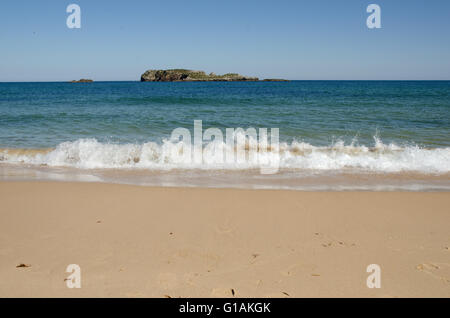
334,135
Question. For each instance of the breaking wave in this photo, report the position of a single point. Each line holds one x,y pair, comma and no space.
92,154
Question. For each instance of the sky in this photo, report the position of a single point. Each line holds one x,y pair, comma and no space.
304,40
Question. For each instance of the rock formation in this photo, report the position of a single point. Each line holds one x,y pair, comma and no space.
83,80
182,75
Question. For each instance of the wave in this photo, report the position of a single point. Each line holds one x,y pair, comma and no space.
92,154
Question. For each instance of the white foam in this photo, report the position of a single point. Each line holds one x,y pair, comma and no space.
91,154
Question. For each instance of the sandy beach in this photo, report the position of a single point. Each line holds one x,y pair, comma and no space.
133,241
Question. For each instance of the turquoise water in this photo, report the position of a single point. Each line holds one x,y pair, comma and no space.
333,134
38,115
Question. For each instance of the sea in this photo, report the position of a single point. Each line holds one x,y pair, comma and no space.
332,135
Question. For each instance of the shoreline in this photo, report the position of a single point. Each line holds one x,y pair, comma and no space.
285,179
133,241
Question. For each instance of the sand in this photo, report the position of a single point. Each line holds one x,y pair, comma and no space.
132,241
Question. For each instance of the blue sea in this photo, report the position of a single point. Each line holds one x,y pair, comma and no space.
334,135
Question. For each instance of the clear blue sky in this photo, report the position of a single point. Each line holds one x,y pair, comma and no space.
316,39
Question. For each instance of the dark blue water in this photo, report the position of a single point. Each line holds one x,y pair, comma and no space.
39,115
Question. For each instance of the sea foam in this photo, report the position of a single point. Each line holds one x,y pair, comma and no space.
92,154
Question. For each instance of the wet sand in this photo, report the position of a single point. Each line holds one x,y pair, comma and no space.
133,241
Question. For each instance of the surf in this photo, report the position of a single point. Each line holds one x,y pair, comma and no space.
296,156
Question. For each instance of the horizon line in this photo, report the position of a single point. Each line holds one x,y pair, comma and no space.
284,80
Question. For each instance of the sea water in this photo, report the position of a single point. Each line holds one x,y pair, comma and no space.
334,135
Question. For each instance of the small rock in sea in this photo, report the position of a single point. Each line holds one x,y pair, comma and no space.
83,80
275,80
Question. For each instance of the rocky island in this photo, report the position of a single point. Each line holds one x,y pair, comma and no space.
182,75
83,80
275,80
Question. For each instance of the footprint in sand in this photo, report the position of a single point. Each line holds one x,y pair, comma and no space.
439,271
225,228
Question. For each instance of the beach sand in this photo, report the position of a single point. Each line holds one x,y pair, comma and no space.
133,241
